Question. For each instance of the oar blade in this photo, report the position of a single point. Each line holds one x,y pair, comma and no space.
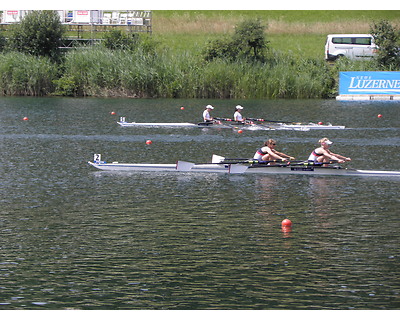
217,159
237,168
184,166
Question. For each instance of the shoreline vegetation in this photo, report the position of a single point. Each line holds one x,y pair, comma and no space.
169,63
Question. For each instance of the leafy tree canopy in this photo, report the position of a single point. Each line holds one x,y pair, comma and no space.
248,42
388,40
39,33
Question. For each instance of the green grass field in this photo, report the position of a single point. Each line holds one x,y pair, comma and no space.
301,32
294,69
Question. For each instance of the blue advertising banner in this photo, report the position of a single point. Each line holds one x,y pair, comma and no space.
369,82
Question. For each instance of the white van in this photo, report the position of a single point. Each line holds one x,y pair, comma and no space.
352,46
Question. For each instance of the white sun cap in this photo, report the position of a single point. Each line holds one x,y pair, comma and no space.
209,107
239,106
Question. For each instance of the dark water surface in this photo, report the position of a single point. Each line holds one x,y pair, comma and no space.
76,238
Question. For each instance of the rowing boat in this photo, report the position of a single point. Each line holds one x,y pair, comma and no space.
250,126
247,167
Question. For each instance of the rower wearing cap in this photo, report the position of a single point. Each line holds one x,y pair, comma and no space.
268,153
206,113
323,154
237,115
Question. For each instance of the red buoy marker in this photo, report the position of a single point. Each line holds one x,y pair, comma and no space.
379,116
149,142
25,118
286,223
240,131
320,123
113,113
182,108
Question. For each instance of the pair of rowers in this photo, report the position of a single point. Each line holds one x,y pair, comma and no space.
237,116
321,154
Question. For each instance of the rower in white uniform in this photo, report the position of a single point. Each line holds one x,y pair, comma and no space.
206,114
237,116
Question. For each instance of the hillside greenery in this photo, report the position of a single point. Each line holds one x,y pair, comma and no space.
171,63
298,32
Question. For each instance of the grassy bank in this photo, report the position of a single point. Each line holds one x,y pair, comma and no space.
300,32
294,68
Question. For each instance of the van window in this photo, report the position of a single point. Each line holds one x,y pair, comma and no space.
347,40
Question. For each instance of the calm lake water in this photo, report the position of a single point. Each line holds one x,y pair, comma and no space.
76,238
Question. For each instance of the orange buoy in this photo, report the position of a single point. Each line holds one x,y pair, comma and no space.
286,223
240,131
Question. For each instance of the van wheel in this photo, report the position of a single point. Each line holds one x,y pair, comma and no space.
339,56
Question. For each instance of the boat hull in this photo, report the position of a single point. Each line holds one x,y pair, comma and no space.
252,126
316,170
133,166
182,166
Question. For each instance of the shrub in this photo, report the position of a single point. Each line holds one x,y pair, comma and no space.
118,40
248,42
220,48
388,40
249,37
39,34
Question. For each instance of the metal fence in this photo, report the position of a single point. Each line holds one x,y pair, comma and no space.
96,20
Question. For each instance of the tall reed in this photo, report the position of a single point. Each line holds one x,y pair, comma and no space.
101,72
22,74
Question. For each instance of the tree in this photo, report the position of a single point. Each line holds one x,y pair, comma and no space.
220,48
117,40
39,33
248,42
250,39
387,38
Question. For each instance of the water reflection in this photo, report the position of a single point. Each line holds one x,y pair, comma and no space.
74,237
286,231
